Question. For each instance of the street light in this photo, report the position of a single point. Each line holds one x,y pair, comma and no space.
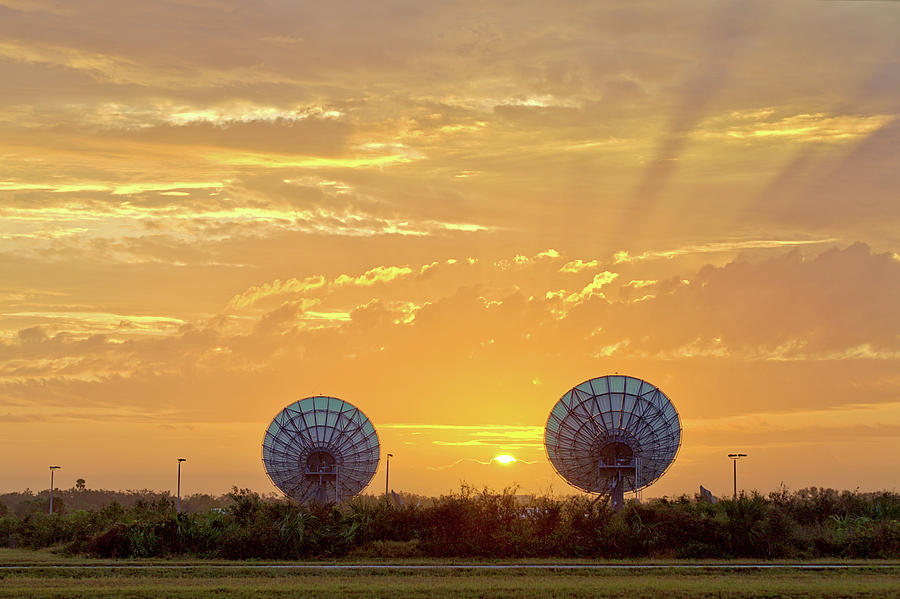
52,468
734,458
387,475
178,495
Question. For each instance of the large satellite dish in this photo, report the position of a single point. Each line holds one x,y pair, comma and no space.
320,449
611,434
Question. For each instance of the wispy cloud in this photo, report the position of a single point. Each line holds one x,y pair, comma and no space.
95,322
592,289
116,190
809,128
720,247
276,288
379,274
478,428
576,266
499,437
521,260
279,290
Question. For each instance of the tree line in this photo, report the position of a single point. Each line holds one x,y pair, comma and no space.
808,523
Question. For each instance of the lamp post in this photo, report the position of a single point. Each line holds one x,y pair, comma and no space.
52,468
734,458
178,493
387,475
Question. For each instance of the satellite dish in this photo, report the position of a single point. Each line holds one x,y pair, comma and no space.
320,449
611,434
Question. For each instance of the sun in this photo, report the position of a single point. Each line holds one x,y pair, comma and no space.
504,459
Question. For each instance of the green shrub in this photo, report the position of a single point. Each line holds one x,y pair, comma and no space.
115,541
810,523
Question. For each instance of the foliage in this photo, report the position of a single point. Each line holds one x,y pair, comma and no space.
809,523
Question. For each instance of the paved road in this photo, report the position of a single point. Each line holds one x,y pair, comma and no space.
456,566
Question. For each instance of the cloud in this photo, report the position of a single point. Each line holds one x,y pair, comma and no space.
290,314
822,189
817,127
426,267
293,296
276,288
773,309
638,284
115,68
234,114
719,247
272,160
501,437
479,429
116,190
576,266
846,423
118,68
592,289
117,230
379,274
521,260
85,322
770,311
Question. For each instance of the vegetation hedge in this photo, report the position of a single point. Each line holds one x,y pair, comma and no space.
809,523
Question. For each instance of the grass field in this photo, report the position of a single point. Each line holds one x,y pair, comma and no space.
37,574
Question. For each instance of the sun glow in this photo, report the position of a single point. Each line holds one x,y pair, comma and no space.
504,459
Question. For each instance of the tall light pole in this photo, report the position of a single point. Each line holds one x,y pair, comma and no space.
178,494
52,468
734,458
387,475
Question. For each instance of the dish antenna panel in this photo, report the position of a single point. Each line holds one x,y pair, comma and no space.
320,449
611,434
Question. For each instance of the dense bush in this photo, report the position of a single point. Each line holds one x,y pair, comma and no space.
474,523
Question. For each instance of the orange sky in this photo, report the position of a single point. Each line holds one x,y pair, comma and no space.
447,214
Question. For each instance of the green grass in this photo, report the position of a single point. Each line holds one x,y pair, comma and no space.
81,578
464,584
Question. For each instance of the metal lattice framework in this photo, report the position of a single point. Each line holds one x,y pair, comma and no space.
612,433
320,449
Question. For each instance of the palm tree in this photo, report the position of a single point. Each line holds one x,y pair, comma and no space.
79,484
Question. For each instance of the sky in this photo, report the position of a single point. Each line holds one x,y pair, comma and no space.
448,214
